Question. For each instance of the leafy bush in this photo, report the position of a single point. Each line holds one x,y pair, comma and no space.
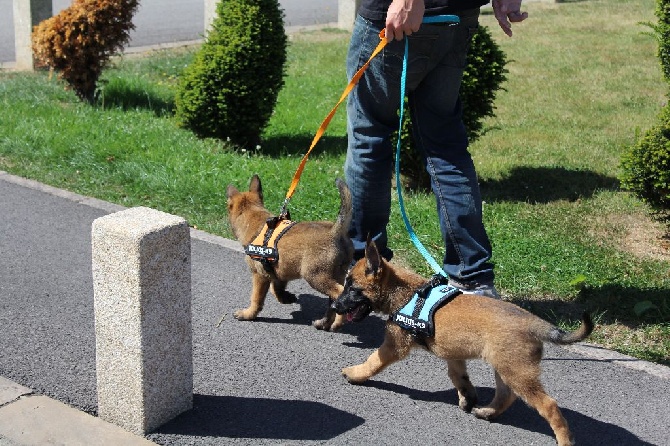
646,165
79,41
482,78
662,30
231,88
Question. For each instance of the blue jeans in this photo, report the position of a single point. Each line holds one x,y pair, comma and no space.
437,57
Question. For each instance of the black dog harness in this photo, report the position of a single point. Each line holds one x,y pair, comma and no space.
263,247
417,315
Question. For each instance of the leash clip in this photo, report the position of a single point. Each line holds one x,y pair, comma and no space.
284,213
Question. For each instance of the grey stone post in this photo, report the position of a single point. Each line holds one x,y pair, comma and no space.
28,13
346,13
142,300
210,13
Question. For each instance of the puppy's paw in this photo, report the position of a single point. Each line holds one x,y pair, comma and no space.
485,413
353,376
466,404
322,324
245,315
326,324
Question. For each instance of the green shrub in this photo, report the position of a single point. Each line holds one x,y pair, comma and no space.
482,78
646,166
79,41
662,30
230,90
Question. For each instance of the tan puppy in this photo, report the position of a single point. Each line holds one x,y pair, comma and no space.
470,326
318,251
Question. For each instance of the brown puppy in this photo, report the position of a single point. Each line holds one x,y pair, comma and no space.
318,251
470,326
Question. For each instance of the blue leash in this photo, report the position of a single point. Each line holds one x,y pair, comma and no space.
412,235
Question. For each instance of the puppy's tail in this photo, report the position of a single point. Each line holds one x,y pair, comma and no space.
557,336
343,221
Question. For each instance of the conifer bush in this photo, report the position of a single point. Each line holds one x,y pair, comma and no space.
78,42
230,89
646,165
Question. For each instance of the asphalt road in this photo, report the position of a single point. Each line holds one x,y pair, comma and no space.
277,380
168,21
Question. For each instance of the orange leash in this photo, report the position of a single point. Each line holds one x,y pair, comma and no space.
326,122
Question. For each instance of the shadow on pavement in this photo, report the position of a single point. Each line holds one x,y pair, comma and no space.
237,417
586,430
369,332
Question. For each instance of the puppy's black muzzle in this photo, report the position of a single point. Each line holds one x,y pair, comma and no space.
352,302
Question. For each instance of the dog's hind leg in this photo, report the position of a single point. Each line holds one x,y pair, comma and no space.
502,399
467,394
524,380
278,288
260,286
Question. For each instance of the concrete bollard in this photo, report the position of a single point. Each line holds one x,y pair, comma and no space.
27,13
142,300
346,13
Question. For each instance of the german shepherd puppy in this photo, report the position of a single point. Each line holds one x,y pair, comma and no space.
470,326
318,251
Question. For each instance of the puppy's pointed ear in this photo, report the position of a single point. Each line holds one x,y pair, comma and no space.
255,186
372,258
231,191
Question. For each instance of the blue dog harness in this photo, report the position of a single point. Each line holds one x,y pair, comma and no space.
417,315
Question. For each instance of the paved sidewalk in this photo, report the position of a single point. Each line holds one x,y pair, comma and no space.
272,381
29,419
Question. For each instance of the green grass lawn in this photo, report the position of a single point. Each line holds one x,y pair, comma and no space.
583,83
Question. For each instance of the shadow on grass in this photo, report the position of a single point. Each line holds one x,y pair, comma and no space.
132,96
546,184
611,303
298,145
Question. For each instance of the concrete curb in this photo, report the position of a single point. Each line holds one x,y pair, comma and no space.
108,207
603,354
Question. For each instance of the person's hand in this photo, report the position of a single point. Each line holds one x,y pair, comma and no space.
507,11
403,18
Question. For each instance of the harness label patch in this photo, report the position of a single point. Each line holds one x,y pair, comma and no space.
260,251
417,315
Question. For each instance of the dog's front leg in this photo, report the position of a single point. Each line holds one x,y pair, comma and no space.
396,346
260,286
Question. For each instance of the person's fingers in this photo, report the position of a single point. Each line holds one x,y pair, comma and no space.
390,33
517,16
505,25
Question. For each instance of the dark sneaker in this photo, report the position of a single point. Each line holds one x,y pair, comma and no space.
486,290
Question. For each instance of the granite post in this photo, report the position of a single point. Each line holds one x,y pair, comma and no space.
346,13
142,299
27,13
